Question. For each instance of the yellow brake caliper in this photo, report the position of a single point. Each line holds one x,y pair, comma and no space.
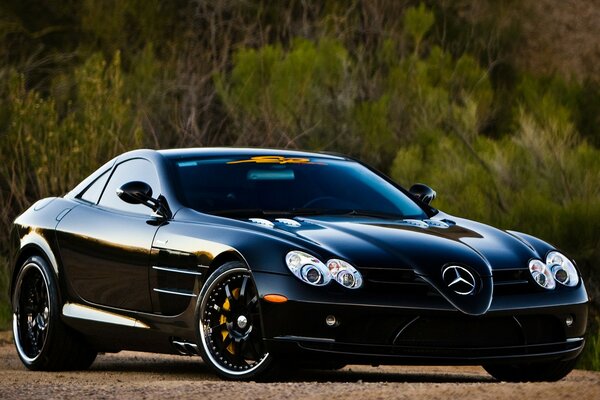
223,320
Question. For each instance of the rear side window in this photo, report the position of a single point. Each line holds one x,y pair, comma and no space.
93,192
137,169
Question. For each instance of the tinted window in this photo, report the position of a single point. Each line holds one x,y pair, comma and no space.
132,170
93,192
280,184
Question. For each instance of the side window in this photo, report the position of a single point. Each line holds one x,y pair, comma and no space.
132,170
92,193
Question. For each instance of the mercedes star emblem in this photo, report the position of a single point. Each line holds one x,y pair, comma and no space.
459,279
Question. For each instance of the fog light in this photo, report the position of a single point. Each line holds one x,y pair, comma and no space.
330,320
569,320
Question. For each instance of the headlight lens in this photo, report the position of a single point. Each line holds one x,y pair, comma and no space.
541,274
562,269
344,274
307,268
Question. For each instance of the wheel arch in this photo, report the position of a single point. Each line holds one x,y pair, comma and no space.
224,257
29,250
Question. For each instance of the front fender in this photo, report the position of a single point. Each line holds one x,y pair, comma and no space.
539,246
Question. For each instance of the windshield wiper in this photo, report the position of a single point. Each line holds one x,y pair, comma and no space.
258,212
250,212
236,212
374,214
337,211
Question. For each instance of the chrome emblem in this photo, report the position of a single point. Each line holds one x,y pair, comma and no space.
459,279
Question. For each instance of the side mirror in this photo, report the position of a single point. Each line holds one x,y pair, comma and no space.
135,192
422,192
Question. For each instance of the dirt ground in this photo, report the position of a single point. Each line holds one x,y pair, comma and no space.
146,376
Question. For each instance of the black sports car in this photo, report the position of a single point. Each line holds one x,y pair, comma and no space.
254,258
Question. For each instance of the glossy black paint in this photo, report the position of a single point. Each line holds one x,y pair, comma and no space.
151,268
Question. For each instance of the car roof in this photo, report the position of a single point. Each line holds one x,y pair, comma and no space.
240,151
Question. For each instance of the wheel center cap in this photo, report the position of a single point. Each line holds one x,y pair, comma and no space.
242,321
40,321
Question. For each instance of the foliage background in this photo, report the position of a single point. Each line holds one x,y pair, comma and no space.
494,104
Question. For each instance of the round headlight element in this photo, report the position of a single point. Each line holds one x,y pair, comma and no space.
307,268
562,269
344,274
311,274
541,274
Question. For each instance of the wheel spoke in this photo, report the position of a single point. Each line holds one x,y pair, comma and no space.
239,351
40,289
252,303
243,288
253,349
28,309
229,296
227,341
39,335
222,325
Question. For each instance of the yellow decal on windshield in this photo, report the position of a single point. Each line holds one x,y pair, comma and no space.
273,160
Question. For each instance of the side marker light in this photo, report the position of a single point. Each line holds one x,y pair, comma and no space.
275,298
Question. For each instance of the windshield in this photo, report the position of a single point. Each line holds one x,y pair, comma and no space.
295,186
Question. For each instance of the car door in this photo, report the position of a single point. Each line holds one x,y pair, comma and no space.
105,247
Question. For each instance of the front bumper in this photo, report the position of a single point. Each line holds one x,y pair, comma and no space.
393,328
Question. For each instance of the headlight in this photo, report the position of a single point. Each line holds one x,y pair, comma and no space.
541,274
307,268
344,274
562,269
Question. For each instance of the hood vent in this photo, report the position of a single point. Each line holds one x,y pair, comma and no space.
436,223
426,223
415,222
263,222
289,222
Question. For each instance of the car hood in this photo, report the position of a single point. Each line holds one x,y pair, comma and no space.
425,246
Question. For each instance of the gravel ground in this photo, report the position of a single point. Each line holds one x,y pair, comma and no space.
149,376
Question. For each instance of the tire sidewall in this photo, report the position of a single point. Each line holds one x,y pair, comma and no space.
227,268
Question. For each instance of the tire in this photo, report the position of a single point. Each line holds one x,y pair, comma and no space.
43,341
550,371
228,325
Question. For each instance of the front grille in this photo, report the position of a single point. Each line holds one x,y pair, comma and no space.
403,279
506,281
511,281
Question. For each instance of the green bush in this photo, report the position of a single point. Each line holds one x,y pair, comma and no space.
289,98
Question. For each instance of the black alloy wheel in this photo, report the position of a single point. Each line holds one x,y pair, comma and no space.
32,312
43,341
229,328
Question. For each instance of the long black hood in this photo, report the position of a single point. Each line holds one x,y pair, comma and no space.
426,246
